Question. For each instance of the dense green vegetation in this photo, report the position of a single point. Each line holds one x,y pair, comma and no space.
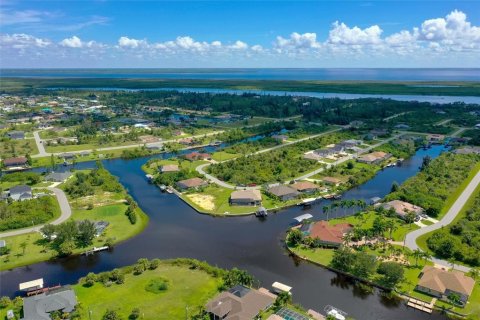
420,88
431,187
277,165
460,240
85,184
27,213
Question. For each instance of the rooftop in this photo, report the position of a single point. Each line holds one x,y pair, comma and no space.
440,280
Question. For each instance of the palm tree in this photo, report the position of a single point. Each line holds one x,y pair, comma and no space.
347,238
474,273
452,263
417,253
426,256
325,210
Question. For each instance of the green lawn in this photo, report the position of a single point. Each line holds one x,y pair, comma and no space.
222,156
219,197
88,146
318,255
120,229
188,289
17,148
151,167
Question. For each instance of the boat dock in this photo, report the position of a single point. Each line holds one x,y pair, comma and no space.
421,305
95,249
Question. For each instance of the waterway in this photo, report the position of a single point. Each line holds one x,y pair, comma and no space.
176,230
321,95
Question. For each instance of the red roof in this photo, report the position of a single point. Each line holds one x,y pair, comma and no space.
328,233
15,161
197,156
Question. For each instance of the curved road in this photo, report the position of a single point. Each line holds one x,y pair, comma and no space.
411,238
200,169
65,209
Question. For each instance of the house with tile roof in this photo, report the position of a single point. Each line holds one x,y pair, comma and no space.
442,283
326,234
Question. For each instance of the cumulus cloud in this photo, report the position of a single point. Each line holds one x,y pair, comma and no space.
452,36
73,42
297,41
126,42
21,41
344,35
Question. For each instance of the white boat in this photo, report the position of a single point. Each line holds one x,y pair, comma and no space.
261,212
335,313
163,187
280,287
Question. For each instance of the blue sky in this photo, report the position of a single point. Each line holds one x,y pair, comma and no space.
239,34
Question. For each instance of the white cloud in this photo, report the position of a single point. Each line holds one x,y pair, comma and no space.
297,41
73,42
21,41
239,45
126,42
343,35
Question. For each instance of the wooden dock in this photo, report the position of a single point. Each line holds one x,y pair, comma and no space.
421,305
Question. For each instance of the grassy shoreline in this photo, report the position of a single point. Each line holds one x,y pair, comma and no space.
445,88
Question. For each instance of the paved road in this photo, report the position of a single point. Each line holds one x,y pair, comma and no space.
123,147
66,212
40,146
200,169
344,159
411,238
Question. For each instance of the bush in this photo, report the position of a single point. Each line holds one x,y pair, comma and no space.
90,279
131,214
5,302
157,285
111,315
154,264
135,314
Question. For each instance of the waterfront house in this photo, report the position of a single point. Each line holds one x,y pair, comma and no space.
435,138
15,162
402,126
20,193
442,283
239,303
467,150
326,234
67,156
169,168
305,187
191,183
16,135
40,306
246,198
58,176
197,156
374,157
402,208
284,192
280,137
332,181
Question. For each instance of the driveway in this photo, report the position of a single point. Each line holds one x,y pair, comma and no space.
66,212
40,146
411,238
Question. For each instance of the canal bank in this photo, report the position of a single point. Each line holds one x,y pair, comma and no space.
175,230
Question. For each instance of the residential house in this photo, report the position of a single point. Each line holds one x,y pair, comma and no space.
191,183
246,198
197,156
402,126
374,157
40,306
280,137
169,168
332,181
16,135
20,193
67,156
442,283
326,234
284,192
239,303
305,187
435,138
15,162
58,176
402,208
477,126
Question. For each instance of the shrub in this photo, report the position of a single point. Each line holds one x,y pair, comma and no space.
154,264
4,302
157,285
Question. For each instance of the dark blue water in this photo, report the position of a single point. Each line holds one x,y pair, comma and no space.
176,230
386,74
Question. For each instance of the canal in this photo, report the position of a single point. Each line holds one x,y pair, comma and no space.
176,230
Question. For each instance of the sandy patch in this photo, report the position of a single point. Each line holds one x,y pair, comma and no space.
202,200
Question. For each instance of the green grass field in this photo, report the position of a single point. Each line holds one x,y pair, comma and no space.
223,156
188,290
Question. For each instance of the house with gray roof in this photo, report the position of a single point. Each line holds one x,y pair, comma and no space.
16,135
39,307
21,192
58,176
284,192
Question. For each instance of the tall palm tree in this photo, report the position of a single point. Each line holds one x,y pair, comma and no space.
417,253
326,209
474,273
452,263
426,256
